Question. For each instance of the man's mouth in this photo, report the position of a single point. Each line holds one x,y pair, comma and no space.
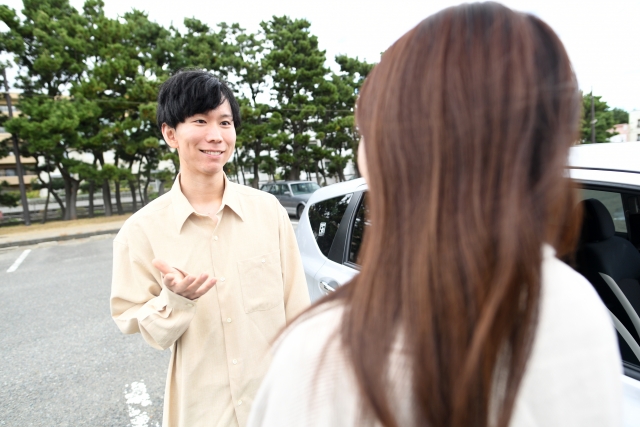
212,153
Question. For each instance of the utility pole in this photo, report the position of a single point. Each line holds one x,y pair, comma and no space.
593,120
16,153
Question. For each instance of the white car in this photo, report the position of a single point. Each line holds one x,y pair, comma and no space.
330,232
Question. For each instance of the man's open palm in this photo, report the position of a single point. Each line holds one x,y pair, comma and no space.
184,284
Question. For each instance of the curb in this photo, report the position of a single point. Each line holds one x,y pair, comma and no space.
57,238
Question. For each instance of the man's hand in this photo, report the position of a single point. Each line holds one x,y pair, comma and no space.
188,286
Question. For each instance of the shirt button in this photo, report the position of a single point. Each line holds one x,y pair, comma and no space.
215,238
234,361
239,402
189,305
222,279
228,319
263,260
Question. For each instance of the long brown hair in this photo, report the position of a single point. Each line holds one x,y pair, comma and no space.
467,121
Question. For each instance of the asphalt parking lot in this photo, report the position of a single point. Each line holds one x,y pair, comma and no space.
63,361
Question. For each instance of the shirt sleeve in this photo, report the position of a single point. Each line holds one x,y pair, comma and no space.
296,294
140,303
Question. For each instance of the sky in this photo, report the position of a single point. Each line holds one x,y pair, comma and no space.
602,37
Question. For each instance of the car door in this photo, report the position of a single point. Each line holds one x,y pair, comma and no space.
275,190
619,294
341,265
286,198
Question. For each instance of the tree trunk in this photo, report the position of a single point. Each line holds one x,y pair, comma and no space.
256,169
75,185
118,199
46,205
145,193
235,162
161,188
117,187
294,173
139,181
106,197
92,189
63,210
324,173
317,174
134,199
71,186
106,190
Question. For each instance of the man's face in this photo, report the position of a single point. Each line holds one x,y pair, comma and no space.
204,141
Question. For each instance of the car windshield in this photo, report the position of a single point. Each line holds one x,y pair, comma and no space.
304,187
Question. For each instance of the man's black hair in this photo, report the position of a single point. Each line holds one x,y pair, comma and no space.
191,92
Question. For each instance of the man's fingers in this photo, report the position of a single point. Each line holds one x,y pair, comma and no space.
205,287
162,266
182,286
191,287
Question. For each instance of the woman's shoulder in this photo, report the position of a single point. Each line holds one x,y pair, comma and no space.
308,366
569,301
572,377
312,331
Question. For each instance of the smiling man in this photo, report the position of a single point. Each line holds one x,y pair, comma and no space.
210,269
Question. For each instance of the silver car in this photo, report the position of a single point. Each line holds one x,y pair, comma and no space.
330,232
293,195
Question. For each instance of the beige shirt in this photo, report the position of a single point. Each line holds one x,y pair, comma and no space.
220,343
573,377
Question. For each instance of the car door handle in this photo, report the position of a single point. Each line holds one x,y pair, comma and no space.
326,287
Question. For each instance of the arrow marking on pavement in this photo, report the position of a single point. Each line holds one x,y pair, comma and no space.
16,264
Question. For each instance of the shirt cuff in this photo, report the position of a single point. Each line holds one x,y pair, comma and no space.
175,301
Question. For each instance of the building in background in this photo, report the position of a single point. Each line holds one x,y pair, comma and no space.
8,171
634,126
622,131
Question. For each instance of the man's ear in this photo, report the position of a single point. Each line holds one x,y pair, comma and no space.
169,135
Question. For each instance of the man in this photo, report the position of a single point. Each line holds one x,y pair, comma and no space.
210,269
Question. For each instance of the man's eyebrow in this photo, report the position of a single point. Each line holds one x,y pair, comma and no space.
226,116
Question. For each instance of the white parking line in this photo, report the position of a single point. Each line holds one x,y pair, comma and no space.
21,258
137,397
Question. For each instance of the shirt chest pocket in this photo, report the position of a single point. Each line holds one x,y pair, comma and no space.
261,282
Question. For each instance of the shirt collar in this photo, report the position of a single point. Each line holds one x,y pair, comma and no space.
183,209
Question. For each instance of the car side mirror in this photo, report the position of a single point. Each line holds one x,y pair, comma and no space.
287,193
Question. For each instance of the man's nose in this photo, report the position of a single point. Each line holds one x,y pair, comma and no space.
214,134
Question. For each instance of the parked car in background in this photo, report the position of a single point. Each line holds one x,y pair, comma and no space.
332,225
293,195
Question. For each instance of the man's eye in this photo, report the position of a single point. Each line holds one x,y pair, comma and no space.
226,123
199,121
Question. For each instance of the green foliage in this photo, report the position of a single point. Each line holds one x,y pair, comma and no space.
620,116
603,116
8,198
89,86
298,71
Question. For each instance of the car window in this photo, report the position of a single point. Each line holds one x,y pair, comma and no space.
304,188
612,264
324,218
283,188
357,232
613,202
266,187
275,190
